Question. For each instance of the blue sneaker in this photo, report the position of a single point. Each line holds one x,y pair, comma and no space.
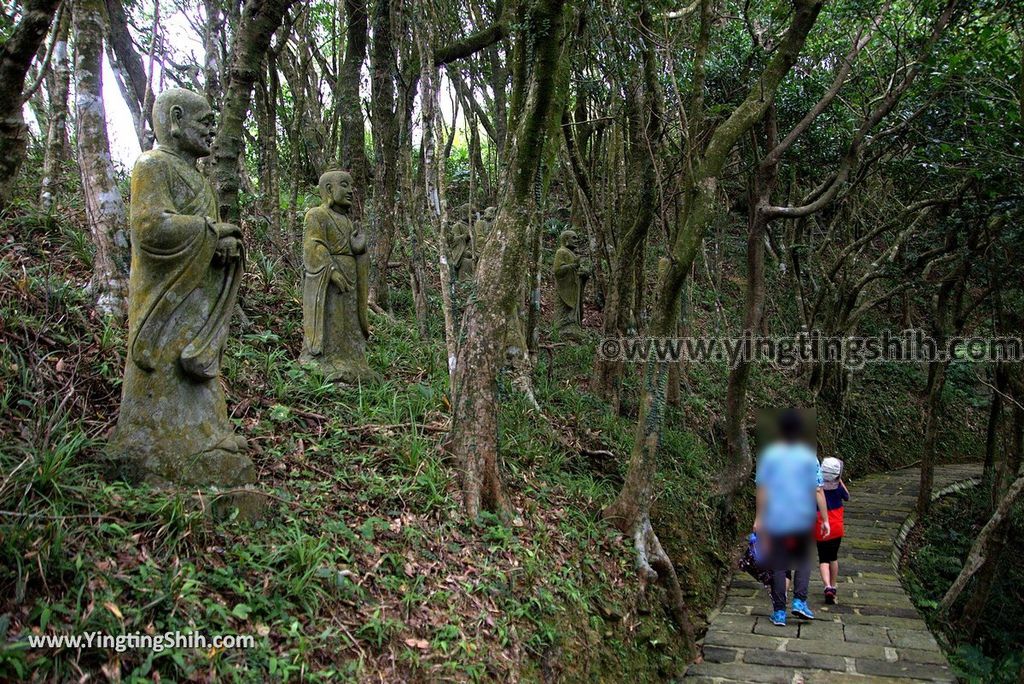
779,618
800,609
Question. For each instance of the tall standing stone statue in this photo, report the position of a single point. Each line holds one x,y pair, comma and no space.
571,276
335,290
186,266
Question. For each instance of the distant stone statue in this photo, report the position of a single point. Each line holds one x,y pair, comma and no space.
463,256
186,265
571,276
482,228
335,323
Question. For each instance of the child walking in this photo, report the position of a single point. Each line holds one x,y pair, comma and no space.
828,544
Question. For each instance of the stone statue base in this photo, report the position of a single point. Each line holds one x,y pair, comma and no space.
346,372
570,331
220,466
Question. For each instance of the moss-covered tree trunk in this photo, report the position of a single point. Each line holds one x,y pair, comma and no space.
353,131
502,262
104,206
16,54
259,21
57,131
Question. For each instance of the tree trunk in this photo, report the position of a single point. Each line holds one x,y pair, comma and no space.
644,118
353,134
16,55
995,412
57,131
138,96
499,270
268,160
260,19
433,179
213,65
983,549
739,462
384,124
936,383
104,206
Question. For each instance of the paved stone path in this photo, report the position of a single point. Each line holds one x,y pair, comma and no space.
873,634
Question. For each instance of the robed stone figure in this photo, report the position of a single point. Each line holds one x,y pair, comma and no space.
571,276
463,256
186,266
335,289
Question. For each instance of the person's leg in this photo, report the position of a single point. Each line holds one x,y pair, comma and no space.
777,562
833,572
826,559
823,566
801,570
778,590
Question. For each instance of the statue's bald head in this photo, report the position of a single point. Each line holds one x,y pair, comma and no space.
183,120
567,238
336,189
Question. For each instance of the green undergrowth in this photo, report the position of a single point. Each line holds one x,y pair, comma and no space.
995,651
364,567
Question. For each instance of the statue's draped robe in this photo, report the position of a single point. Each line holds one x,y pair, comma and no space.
481,229
569,285
334,321
173,425
463,257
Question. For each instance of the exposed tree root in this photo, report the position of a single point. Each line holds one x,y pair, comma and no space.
654,565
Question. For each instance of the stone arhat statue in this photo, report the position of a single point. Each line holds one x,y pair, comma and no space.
335,289
482,228
186,266
463,256
571,276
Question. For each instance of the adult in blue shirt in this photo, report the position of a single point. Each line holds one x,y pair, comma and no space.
789,493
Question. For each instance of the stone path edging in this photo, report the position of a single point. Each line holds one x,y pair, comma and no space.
901,538
874,634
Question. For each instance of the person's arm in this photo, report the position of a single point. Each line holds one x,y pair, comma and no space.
761,496
845,492
819,495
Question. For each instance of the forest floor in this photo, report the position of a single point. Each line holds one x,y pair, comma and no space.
364,567
872,634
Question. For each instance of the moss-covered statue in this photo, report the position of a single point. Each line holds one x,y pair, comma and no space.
463,255
571,275
186,266
482,228
335,325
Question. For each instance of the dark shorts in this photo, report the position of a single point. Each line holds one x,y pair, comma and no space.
828,551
